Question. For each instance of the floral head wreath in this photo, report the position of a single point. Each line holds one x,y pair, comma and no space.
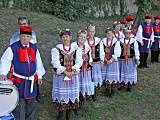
82,31
91,26
109,29
116,23
126,30
65,32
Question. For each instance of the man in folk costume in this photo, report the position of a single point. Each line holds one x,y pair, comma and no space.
145,37
85,79
66,61
95,44
129,59
23,21
110,70
155,48
129,24
117,33
28,68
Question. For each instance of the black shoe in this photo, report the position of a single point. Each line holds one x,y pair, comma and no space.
146,67
76,112
129,89
38,99
68,112
60,116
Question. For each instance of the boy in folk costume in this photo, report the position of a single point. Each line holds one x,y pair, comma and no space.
85,70
110,70
145,38
129,24
122,22
96,47
66,61
155,48
117,33
129,59
28,68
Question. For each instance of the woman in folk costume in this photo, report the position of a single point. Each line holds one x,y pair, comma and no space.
117,33
110,71
85,71
129,59
95,44
66,61
155,48
145,38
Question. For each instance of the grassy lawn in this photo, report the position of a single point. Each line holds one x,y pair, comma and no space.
143,103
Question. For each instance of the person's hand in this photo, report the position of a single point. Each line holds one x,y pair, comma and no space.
3,77
102,64
137,62
69,74
109,62
39,81
142,44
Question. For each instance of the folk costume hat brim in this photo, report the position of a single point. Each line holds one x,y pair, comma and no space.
148,16
129,18
26,30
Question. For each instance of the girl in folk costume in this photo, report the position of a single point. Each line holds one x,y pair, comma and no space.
155,48
96,47
129,59
66,61
110,71
85,71
117,33
145,38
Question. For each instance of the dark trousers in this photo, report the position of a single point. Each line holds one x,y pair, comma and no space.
154,56
143,59
25,110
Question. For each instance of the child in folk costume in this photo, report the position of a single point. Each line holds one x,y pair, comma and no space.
145,38
96,47
66,61
129,59
110,71
122,22
129,24
117,33
155,48
85,71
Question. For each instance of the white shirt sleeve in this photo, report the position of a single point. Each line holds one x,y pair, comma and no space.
102,53
152,35
40,71
136,50
78,61
117,51
5,61
139,34
14,38
33,40
56,62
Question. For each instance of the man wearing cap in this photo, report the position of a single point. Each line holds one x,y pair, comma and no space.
28,68
155,48
145,37
129,23
15,37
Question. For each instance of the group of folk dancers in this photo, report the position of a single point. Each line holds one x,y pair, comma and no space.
82,67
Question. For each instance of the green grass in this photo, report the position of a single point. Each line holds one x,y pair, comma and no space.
143,103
